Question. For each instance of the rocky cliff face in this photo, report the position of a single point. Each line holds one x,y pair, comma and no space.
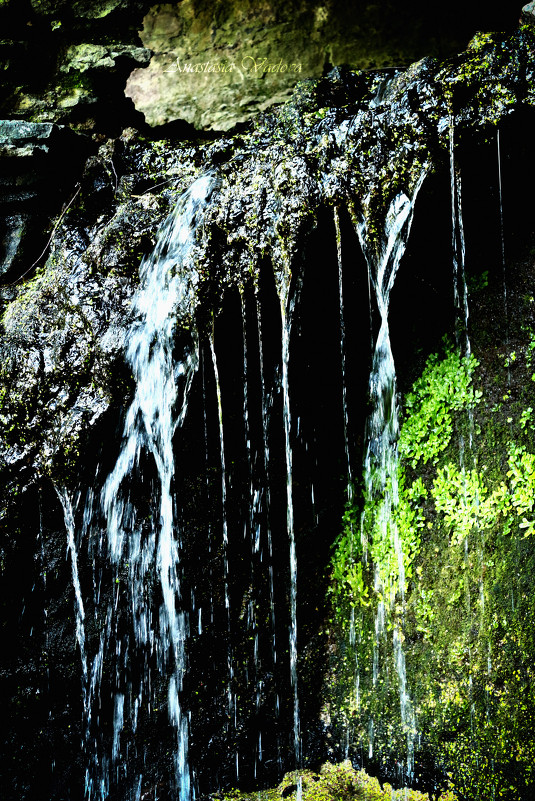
67,62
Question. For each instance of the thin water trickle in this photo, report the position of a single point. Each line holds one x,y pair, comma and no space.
68,514
288,302
460,289
232,712
463,344
254,518
266,401
207,487
343,353
267,406
91,669
286,330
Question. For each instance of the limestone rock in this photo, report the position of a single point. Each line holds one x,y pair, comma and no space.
215,66
84,57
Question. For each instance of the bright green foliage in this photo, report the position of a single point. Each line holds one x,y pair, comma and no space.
394,535
386,533
444,388
529,350
522,477
348,574
348,578
463,499
391,531
526,418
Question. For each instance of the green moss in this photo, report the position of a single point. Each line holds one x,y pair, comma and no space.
339,782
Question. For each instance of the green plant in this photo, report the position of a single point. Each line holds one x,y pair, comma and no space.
464,501
526,418
521,475
444,387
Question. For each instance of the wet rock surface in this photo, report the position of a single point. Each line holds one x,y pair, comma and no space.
67,325
528,12
38,163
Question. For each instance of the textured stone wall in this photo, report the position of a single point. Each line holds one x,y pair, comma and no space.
215,65
68,62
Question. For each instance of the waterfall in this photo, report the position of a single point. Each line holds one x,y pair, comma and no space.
381,458
382,430
166,296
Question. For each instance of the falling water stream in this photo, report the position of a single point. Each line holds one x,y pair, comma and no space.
381,458
159,405
141,546
460,289
266,408
70,527
198,634
287,309
143,529
343,354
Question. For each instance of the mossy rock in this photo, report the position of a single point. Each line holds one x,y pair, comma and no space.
334,782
